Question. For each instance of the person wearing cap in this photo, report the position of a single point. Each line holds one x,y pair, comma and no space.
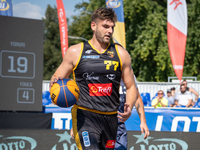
159,101
170,98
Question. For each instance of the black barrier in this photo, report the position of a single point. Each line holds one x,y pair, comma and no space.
10,120
61,140
163,141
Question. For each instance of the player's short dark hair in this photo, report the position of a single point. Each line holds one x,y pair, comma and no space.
103,13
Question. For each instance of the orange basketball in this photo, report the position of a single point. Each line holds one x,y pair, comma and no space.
64,93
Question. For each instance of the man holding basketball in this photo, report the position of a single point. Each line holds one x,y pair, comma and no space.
97,68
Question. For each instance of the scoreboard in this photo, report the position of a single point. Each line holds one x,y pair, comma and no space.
21,64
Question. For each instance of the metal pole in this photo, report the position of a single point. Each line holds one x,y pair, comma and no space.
74,37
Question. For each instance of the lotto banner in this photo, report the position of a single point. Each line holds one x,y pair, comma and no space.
177,33
166,119
186,120
163,141
119,30
36,140
6,8
61,140
62,27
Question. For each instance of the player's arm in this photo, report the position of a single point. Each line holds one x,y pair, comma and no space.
129,82
139,105
195,93
68,63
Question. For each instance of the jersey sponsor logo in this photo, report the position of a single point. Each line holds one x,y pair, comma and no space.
88,76
96,89
110,144
111,76
111,54
86,139
91,56
88,51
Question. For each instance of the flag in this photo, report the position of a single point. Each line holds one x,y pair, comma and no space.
6,8
177,33
119,30
62,27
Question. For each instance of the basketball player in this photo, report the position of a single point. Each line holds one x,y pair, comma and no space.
97,68
121,139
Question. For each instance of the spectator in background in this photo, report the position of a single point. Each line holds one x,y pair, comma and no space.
191,90
183,97
173,91
159,101
170,98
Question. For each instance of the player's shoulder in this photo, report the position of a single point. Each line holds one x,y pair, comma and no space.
120,47
122,51
75,48
73,52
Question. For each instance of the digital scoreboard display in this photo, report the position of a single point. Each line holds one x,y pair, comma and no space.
21,64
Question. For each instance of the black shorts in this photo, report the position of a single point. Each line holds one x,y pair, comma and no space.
93,131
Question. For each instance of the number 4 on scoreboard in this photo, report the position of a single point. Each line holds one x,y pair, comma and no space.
25,95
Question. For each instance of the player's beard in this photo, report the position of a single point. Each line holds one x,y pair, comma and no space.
101,38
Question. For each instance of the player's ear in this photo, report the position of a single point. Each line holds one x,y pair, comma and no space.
93,26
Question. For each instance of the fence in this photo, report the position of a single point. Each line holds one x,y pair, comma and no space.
150,87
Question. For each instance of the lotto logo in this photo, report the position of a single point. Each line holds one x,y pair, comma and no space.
178,67
100,89
110,144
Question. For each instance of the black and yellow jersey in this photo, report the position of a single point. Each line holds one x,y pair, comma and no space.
98,77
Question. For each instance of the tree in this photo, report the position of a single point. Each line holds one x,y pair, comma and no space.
146,28
80,26
52,48
146,37
192,55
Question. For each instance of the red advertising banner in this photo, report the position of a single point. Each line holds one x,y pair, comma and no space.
177,33
62,26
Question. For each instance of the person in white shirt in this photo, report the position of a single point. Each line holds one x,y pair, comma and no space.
183,97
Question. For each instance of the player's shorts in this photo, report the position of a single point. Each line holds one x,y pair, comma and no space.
94,131
121,139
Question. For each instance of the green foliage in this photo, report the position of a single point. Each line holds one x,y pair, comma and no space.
192,55
80,26
52,48
146,37
147,40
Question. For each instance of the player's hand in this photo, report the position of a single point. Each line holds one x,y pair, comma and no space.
72,133
127,113
144,129
54,81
